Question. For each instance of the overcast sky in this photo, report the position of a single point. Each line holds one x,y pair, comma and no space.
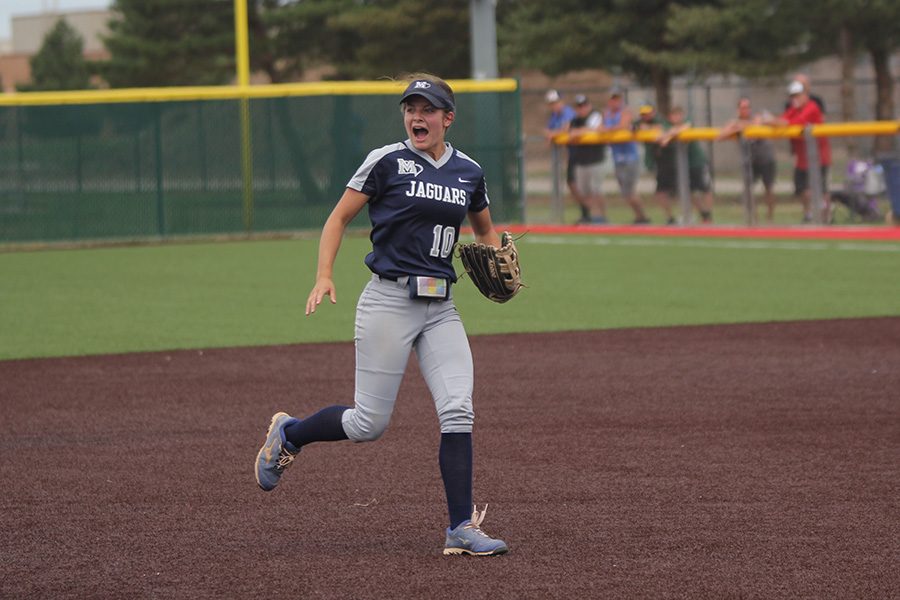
9,8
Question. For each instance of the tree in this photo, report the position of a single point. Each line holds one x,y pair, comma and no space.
360,39
554,37
617,35
191,42
287,38
170,42
60,63
759,37
877,24
753,38
388,37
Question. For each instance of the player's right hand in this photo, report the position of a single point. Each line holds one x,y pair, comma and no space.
324,287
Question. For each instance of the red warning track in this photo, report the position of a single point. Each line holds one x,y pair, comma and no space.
787,233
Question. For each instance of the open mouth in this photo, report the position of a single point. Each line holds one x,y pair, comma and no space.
419,134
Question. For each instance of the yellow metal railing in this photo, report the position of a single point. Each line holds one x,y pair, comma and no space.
691,134
233,92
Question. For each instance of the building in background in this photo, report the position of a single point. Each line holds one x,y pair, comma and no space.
27,36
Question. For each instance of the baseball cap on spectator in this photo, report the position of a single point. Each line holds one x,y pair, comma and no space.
795,88
616,91
552,96
580,100
645,109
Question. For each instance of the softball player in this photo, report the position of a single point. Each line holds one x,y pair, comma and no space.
418,193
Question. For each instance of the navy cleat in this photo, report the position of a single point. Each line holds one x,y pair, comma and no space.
277,454
468,538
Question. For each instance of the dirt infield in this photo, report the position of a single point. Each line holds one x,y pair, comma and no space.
751,461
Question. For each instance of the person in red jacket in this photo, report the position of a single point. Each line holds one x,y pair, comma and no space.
804,111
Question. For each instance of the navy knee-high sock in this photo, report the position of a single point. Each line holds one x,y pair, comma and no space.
456,470
324,426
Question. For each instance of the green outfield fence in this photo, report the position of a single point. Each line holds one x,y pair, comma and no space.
138,164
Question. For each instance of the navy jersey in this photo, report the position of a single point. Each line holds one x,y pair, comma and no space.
417,205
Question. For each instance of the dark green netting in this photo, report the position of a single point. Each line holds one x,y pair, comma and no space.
160,169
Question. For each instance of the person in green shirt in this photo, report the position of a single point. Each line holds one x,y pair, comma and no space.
698,167
659,160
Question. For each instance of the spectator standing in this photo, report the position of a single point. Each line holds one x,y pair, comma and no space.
587,160
698,167
649,119
618,117
558,122
762,152
804,111
804,81
560,114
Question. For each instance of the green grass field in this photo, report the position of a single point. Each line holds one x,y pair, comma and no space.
202,295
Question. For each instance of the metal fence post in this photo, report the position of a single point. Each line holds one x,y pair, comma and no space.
710,146
747,173
137,160
684,181
20,150
78,164
160,199
247,164
202,150
270,143
814,176
557,203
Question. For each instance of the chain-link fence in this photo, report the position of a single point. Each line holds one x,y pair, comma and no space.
159,169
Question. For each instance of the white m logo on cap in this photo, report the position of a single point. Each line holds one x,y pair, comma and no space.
423,85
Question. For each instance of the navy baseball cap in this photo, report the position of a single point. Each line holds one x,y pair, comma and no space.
430,91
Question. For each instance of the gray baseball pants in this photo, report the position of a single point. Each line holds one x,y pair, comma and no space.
389,324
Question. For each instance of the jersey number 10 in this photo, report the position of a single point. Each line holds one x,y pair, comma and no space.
443,241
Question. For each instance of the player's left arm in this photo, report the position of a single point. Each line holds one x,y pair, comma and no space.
483,227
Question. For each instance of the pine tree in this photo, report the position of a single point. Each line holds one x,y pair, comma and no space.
623,36
289,37
170,42
60,63
360,39
758,37
391,37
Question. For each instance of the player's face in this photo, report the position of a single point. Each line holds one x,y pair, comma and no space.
425,125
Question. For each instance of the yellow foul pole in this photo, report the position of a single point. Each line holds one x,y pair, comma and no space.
242,56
